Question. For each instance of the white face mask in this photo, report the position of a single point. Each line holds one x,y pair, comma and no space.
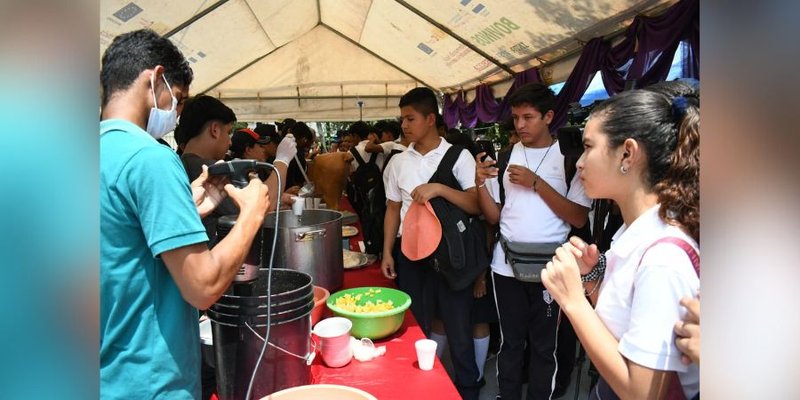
161,121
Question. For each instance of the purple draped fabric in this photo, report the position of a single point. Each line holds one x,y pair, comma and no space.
487,108
645,54
451,113
528,76
484,108
579,79
469,117
657,38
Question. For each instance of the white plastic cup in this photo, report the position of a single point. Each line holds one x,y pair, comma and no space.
334,341
426,352
298,205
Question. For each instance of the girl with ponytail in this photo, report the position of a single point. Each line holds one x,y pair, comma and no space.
641,150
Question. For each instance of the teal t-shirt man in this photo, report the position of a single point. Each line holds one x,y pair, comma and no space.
149,340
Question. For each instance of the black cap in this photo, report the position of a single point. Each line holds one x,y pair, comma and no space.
244,138
268,130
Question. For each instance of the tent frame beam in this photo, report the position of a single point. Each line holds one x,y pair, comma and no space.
452,34
340,97
194,18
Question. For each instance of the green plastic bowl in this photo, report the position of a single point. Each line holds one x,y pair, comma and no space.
376,325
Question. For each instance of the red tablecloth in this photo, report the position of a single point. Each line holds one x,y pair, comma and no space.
395,375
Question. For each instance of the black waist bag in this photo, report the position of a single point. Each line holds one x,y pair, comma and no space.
461,255
527,260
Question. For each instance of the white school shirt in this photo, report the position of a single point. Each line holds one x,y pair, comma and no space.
410,169
525,217
639,304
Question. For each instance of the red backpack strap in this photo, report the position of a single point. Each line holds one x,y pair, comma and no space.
675,390
690,251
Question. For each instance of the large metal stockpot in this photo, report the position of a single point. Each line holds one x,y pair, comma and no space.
311,243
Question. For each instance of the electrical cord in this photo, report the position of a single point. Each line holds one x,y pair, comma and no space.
269,280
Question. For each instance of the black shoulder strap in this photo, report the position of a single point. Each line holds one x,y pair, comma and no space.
389,157
446,166
502,163
357,156
372,158
570,169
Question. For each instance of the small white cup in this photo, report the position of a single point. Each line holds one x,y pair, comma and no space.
426,352
298,205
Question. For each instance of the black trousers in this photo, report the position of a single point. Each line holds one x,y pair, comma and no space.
430,296
522,308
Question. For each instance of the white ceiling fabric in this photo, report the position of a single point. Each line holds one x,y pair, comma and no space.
315,59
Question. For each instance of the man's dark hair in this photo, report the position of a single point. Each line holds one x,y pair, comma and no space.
360,129
340,134
133,52
440,122
536,95
374,129
285,126
421,99
301,131
388,126
197,112
265,129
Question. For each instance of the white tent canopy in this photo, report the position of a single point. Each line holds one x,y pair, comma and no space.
315,59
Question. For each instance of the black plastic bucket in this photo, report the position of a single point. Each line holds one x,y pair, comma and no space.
248,317
238,330
287,286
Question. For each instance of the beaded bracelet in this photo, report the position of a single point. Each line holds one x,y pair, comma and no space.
598,271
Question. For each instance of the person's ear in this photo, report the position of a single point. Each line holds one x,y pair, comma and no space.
215,129
150,78
430,119
631,152
548,117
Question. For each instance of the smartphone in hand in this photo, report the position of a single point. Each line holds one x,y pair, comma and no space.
486,146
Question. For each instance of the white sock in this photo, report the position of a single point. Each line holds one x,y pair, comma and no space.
481,350
441,342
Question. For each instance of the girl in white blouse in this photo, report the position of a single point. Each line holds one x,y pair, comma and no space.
641,149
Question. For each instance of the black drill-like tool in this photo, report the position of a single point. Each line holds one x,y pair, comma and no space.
239,170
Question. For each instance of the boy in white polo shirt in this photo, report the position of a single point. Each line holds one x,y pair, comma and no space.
406,180
538,208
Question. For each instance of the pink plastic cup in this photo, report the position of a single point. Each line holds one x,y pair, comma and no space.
334,341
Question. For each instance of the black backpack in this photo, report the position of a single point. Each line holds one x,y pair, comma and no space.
368,198
367,175
461,255
584,232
